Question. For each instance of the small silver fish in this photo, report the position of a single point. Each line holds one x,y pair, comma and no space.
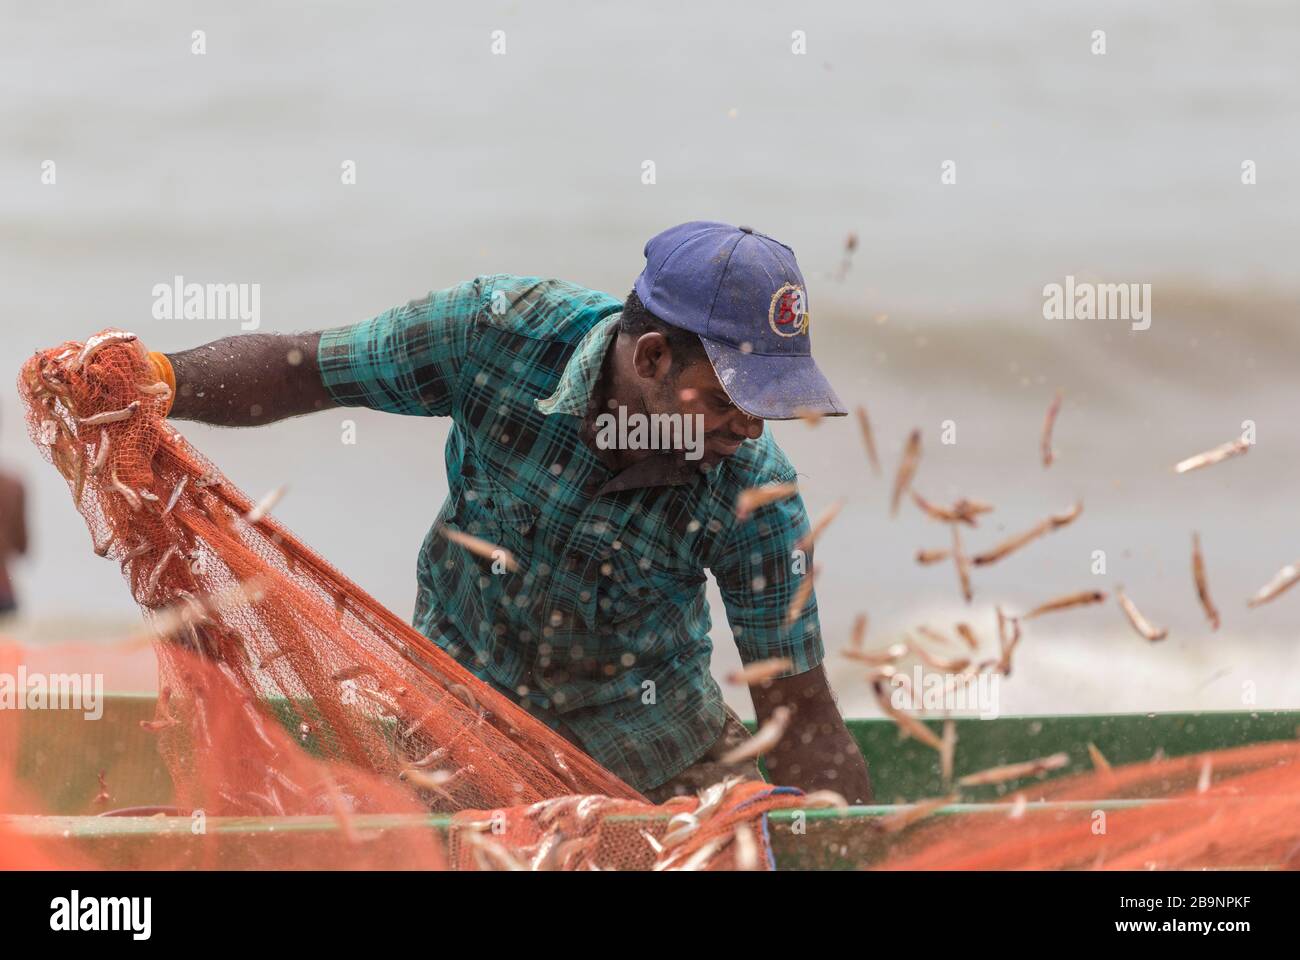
760,671
680,826
127,493
111,416
155,575
97,343
101,453
139,550
101,548
265,505
1282,581
176,494
1015,771
767,737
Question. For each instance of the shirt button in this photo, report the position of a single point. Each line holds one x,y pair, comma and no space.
490,503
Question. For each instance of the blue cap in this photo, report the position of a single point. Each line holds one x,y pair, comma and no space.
742,292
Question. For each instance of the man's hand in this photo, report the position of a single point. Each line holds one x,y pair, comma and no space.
817,751
251,379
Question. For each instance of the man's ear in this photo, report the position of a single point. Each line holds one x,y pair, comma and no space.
652,357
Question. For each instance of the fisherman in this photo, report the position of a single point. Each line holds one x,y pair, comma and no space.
600,626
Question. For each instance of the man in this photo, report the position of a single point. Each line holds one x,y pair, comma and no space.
600,626
13,536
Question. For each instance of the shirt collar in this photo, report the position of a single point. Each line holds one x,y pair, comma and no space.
659,470
578,381
573,395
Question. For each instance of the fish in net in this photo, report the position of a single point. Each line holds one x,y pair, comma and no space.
1235,808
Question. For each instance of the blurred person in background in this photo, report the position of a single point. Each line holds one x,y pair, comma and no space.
13,536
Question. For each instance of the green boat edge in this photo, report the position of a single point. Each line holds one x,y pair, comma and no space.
61,754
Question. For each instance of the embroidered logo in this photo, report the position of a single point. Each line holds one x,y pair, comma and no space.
788,313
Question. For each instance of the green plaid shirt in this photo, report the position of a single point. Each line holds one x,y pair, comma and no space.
603,629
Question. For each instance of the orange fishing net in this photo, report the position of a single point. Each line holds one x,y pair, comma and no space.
1233,808
286,691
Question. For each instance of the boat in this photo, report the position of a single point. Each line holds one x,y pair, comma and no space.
61,758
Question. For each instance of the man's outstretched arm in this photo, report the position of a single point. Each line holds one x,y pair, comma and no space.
243,381
817,751
406,360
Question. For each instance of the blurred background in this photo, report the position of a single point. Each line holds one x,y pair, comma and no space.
1120,168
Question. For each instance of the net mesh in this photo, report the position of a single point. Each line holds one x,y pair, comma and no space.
1233,808
286,690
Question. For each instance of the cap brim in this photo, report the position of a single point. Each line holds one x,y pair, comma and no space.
773,388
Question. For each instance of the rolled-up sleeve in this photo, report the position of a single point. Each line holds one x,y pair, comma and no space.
408,359
759,571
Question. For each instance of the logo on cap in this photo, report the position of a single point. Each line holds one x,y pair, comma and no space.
788,313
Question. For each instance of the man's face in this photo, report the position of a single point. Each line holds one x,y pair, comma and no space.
692,390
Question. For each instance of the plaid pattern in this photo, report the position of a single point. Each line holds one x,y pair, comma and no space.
603,631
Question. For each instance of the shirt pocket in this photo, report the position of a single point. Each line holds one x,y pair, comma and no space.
489,511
